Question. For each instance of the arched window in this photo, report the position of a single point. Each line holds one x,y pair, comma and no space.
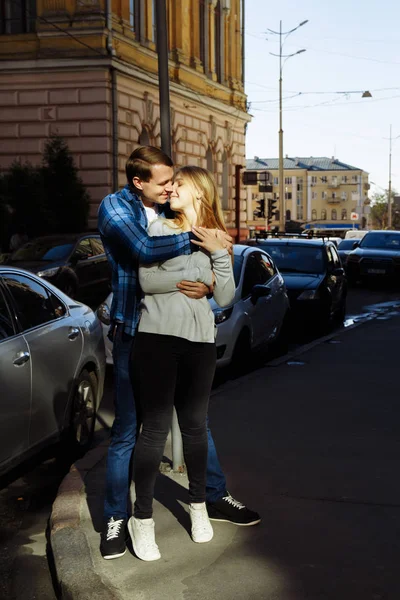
144,139
288,215
323,214
210,160
334,214
344,214
313,215
225,181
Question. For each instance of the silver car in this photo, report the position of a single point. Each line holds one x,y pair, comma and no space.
52,367
257,317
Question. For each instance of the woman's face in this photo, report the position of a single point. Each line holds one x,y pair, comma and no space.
183,195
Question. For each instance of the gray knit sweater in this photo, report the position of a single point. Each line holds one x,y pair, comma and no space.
165,310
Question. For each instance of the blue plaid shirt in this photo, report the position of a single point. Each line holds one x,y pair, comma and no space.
122,225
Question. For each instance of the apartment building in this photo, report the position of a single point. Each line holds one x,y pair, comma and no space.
87,70
320,193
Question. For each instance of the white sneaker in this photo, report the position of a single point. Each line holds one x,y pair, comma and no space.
202,530
143,539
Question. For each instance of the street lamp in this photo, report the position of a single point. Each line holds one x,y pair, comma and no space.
284,35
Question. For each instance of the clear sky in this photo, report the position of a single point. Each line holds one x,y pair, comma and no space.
351,46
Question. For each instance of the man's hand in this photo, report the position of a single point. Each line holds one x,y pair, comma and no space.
193,289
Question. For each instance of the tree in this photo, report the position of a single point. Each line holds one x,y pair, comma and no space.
379,211
49,198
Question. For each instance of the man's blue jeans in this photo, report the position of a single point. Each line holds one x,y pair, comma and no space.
123,438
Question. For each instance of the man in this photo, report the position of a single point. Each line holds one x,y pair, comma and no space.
123,220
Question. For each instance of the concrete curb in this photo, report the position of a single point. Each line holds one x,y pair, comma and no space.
75,572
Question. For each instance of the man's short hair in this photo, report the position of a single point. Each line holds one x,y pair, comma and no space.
141,161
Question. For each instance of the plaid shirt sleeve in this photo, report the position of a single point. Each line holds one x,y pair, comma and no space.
118,224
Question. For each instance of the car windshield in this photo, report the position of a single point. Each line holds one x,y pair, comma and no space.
346,244
381,240
296,258
43,250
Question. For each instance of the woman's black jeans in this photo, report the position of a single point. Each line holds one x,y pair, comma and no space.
170,371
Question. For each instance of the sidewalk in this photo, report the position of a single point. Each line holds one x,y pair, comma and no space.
314,447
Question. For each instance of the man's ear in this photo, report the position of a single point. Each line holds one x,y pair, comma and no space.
137,183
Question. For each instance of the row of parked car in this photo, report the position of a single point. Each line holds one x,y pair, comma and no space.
54,348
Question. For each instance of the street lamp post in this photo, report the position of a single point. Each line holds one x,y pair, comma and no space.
389,210
282,37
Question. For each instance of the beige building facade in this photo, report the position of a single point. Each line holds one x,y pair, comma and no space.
320,193
86,70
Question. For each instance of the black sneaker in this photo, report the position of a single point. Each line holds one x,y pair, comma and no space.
113,538
232,511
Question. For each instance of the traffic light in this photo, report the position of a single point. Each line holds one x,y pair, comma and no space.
259,213
272,202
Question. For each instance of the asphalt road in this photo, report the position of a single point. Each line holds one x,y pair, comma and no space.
27,494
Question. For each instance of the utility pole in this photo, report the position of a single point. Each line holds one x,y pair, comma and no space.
390,182
163,76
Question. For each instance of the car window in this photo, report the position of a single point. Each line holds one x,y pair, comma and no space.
268,265
33,302
297,258
384,240
346,244
83,249
44,250
6,322
256,273
97,246
335,256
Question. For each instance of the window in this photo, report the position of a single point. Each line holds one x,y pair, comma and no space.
218,50
344,195
314,195
323,214
313,215
144,139
354,179
344,214
225,181
300,185
354,195
203,22
288,195
334,180
324,179
17,17
132,14
276,181
210,160
153,21
83,249
344,178
314,179
35,304
288,181
333,195
97,246
288,215
324,196
257,272
6,321
333,258
334,214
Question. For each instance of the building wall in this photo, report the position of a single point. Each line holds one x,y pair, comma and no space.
57,79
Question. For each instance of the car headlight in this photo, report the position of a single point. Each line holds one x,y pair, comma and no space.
309,295
48,272
221,315
103,313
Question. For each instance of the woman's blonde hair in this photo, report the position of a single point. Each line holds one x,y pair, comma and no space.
210,212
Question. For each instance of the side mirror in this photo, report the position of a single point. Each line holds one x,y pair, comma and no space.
259,291
356,244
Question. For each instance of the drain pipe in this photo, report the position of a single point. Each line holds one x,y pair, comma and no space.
114,97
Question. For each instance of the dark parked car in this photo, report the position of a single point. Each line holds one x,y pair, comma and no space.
375,257
314,277
344,249
75,263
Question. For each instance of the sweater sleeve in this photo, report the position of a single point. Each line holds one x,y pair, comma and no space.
224,287
160,278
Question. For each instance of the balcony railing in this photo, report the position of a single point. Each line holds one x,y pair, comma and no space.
333,200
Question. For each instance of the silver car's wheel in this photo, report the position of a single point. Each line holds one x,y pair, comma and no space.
84,410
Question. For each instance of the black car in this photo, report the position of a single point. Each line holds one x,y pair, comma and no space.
314,277
344,249
375,257
75,263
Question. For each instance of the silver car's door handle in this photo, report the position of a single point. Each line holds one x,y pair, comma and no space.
73,333
21,359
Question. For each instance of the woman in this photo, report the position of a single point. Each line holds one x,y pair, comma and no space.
174,355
